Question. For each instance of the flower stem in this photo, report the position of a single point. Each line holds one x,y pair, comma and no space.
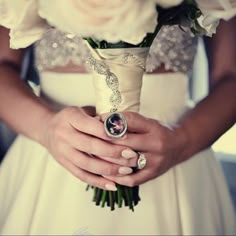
111,200
94,194
128,195
130,191
104,195
98,196
119,192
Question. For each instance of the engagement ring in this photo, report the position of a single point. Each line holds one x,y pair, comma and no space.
142,161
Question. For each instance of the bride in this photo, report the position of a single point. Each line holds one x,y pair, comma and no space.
45,172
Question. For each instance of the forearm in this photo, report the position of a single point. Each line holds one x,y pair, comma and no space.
19,107
211,117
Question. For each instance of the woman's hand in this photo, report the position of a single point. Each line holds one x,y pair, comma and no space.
75,140
162,147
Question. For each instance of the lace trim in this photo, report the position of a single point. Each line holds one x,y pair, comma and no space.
173,48
59,49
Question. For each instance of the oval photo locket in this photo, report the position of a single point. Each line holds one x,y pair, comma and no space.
115,125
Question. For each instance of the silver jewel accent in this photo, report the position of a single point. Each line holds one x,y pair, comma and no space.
132,58
111,80
142,161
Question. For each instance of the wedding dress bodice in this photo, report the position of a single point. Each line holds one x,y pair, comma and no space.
172,47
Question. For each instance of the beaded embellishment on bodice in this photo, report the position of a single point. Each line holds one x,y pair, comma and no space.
173,48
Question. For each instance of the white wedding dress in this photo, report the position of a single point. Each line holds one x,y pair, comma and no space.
39,197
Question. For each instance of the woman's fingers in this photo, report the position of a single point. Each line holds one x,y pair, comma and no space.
91,179
95,165
122,161
135,179
97,147
87,124
138,142
71,134
150,171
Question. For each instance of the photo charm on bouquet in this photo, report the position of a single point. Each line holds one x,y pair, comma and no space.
115,125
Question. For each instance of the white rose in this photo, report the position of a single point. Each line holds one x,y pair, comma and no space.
218,9
105,19
21,17
209,23
168,3
213,11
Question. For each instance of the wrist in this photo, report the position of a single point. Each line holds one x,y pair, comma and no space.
41,133
183,143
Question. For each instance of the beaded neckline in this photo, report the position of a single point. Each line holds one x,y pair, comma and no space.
172,48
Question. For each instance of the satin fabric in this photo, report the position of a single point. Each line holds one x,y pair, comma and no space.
122,73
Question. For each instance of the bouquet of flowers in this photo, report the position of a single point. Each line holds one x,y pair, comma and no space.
119,34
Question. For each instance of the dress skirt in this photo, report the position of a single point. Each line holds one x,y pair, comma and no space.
40,197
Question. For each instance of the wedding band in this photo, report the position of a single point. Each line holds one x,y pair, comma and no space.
142,161
115,125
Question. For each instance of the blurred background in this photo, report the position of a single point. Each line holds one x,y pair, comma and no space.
224,148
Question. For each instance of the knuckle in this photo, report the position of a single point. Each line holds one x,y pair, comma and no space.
60,160
161,145
117,151
159,165
131,182
111,170
63,114
81,176
77,174
91,145
75,160
130,116
70,111
125,162
88,165
153,123
112,151
132,162
103,134
59,132
94,182
97,183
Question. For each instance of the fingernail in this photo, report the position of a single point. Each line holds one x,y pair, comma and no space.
128,154
110,187
125,170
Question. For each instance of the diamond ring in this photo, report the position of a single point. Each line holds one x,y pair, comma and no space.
142,161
